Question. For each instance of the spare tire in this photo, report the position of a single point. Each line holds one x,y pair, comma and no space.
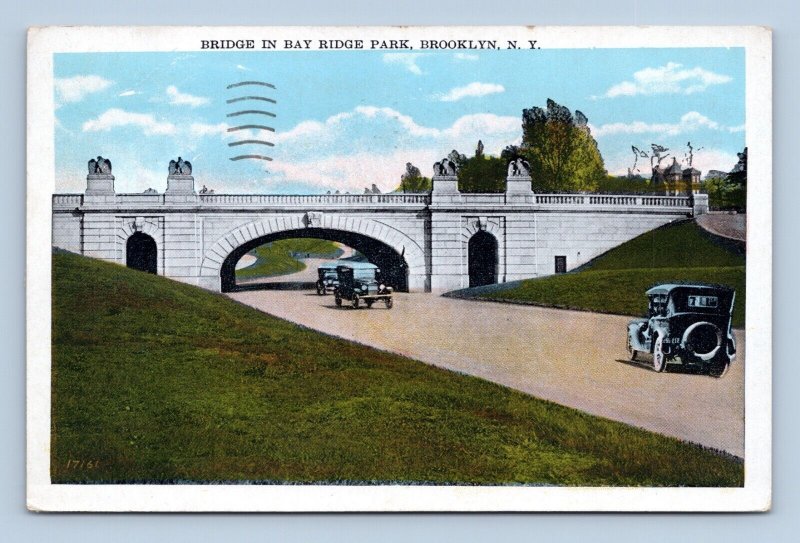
703,340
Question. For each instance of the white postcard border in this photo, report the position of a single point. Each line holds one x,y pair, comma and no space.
44,496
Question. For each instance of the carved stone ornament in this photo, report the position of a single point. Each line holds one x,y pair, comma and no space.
519,168
180,167
100,166
313,219
138,224
445,168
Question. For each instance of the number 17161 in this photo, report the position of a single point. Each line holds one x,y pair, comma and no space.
83,464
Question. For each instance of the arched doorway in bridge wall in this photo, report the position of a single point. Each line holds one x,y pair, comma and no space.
141,253
393,265
482,259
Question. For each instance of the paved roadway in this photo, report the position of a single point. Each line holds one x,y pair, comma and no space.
725,225
569,357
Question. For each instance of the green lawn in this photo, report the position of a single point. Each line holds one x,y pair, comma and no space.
616,281
157,381
281,257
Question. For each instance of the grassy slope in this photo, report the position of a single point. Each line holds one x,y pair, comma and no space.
615,282
276,258
164,382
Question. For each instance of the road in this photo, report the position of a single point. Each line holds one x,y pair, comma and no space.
725,225
572,358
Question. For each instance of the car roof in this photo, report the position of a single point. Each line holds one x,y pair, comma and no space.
357,265
666,288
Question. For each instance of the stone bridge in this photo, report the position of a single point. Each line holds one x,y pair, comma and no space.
422,241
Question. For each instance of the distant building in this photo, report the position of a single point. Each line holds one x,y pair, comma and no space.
676,181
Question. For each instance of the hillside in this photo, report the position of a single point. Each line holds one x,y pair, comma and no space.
285,256
155,381
615,282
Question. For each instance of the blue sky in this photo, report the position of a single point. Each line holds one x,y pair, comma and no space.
348,119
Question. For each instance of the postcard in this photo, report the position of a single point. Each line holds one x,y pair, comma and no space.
399,269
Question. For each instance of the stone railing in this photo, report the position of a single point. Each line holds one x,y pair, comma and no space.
67,200
314,199
613,200
139,198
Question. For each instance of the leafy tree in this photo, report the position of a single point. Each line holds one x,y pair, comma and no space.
560,149
413,181
737,182
612,184
729,191
483,173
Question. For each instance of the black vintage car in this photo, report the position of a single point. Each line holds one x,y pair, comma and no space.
360,281
328,280
687,324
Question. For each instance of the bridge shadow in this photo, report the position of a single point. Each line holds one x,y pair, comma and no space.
278,285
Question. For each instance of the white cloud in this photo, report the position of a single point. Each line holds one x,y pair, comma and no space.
671,78
474,89
178,98
353,172
370,144
116,117
465,56
128,93
243,68
200,130
75,89
689,122
407,60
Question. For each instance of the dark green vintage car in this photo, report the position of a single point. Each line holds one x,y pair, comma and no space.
327,278
361,282
688,324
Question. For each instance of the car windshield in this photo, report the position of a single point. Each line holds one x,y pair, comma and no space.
366,275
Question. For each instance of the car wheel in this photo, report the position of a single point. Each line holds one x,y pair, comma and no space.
320,291
369,304
389,303
338,301
718,368
659,358
632,353
355,301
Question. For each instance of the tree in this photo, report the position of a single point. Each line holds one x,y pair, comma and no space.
483,173
560,149
413,181
736,182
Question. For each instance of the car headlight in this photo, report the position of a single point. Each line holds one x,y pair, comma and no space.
382,287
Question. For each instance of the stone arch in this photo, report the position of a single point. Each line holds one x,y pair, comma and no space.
223,247
495,226
150,226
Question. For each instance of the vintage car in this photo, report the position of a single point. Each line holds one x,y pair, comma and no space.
328,280
688,324
361,281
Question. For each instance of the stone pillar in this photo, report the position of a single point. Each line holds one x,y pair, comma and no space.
518,182
180,183
518,189
699,204
100,182
445,182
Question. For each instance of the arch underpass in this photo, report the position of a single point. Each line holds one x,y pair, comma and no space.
392,264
